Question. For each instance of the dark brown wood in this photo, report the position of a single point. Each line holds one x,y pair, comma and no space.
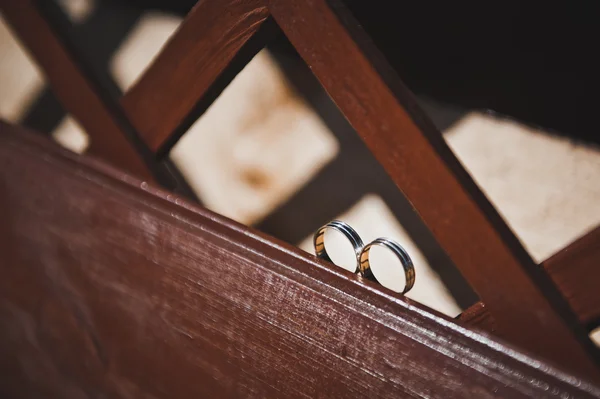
526,306
197,54
111,287
478,317
334,187
73,86
576,272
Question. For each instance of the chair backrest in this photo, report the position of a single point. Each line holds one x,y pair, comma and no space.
111,287
547,311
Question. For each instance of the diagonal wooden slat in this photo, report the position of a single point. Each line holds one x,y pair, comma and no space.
334,188
97,52
113,290
46,113
211,46
526,306
576,272
74,86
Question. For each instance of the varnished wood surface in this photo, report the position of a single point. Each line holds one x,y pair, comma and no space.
377,105
526,306
111,287
576,272
198,53
74,86
477,317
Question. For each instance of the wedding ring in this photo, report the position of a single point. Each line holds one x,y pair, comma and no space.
346,230
407,265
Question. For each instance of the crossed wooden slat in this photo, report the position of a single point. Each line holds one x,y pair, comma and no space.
526,306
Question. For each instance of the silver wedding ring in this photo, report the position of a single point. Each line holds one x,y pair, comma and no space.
361,251
346,230
409,270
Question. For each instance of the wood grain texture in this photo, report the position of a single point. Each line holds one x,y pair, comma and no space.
478,318
74,86
527,307
576,272
197,54
113,288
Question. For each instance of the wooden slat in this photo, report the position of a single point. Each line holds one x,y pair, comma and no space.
45,113
113,288
198,53
477,316
526,306
74,86
576,272
334,187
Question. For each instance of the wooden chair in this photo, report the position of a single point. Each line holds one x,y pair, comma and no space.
156,296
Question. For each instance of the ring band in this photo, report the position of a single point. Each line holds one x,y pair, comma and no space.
347,231
405,260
